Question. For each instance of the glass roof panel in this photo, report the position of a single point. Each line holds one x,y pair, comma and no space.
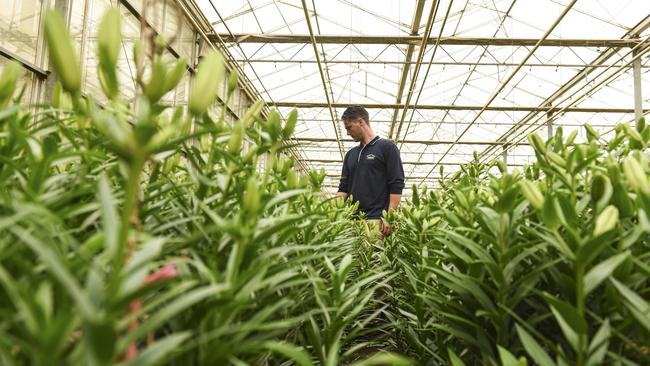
364,47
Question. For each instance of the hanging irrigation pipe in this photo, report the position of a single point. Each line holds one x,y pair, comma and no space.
322,76
424,80
503,85
418,64
408,59
580,98
326,66
469,75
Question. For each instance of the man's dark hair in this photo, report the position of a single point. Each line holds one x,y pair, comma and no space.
354,112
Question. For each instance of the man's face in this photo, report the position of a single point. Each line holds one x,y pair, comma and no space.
353,128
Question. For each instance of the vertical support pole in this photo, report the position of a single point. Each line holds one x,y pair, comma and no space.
549,123
638,113
504,155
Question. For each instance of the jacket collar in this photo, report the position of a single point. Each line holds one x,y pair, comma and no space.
372,142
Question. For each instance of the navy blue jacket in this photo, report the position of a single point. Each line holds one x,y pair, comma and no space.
371,173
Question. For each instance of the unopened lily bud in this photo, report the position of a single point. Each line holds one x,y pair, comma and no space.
274,124
175,75
160,43
108,82
287,164
204,86
600,185
556,158
236,138
635,175
303,181
109,39
572,137
591,133
537,143
416,196
503,168
640,125
56,95
155,88
8,81
138,53
292,179
144,128
532,194
62,54
251,201
251,154
606,221
253,112
552,212
232,81
634,134
290,125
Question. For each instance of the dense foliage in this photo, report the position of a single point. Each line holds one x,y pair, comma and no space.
138,233
135,233
551,264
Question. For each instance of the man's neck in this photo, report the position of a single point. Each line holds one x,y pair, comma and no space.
365,140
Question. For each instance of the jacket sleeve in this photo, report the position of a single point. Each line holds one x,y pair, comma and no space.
394,170
343,183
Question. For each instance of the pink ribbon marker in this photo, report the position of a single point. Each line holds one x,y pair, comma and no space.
165,273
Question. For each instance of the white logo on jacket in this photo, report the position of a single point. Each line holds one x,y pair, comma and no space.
370,157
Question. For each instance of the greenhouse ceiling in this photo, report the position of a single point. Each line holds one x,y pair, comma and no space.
443,79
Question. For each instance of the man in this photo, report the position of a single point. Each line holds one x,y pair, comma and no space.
372,171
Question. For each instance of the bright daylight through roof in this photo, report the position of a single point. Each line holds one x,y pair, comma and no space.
489,73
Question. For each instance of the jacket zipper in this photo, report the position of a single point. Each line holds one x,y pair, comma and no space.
364,146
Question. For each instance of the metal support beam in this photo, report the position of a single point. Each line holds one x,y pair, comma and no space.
509,78
504,153
438,63
417,40
337,161
582,75
39,72
500,123
638,100
549,123
337,176
589,91
469,75
420,142
454,107
322,76
199,21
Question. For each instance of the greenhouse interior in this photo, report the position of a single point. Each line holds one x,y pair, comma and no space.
284,182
